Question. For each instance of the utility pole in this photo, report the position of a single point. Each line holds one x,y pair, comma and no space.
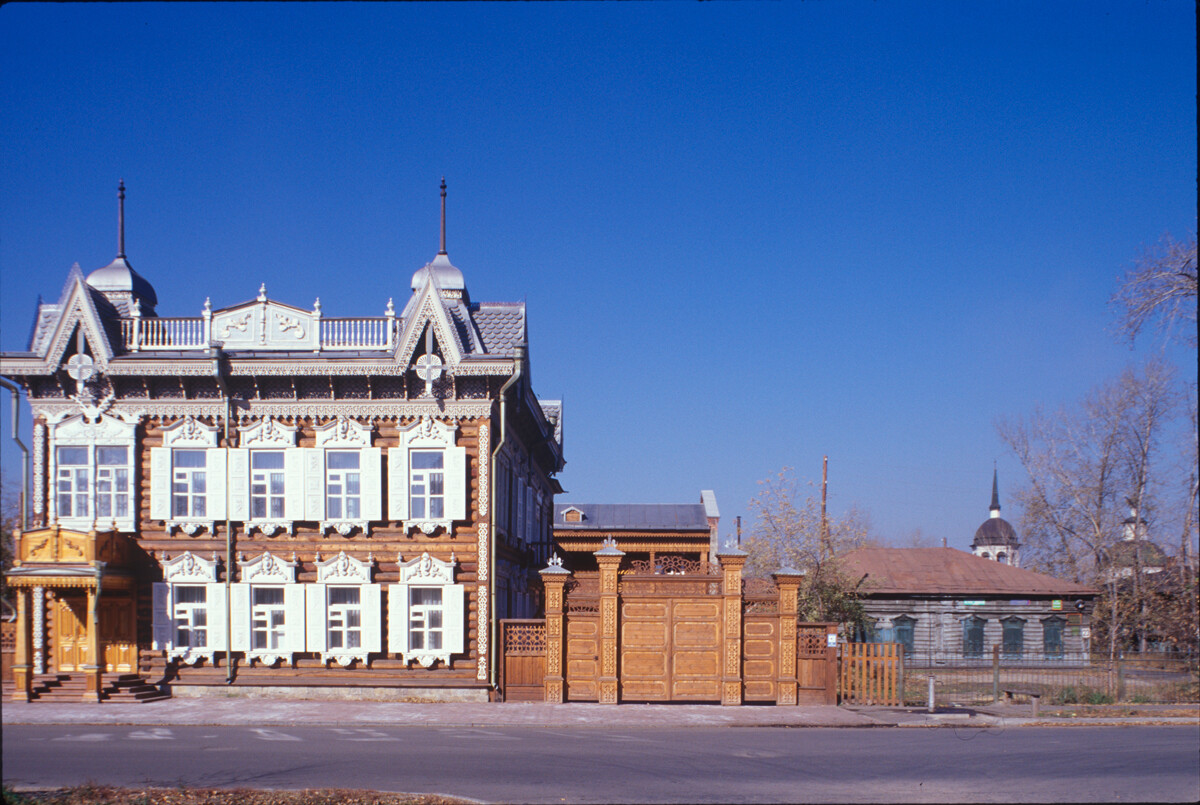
824,519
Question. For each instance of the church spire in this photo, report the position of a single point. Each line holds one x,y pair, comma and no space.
995,507
121,218
442,250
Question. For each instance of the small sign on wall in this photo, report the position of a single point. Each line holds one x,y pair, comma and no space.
973,603
1056,603
1086,633
831,640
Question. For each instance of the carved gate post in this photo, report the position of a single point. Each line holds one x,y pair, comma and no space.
609,558
732,561
555,578
22,672
787,580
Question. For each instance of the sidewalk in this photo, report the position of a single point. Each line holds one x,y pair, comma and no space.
292,712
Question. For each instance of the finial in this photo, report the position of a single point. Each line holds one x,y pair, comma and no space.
137,306
208,305
995,492
391,308
317,305
121,218
262,292
443,249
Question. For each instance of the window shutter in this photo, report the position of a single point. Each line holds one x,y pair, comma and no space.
163,623
293,484
214,465
456,483
314,483
239,484
397,458
217,640
315,625
397,618
239,613
160,483
370,461
293,603
372,614
454,596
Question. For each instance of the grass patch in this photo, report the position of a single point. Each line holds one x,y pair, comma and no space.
1080,695
108,795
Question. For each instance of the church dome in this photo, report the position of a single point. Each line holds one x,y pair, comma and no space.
995,531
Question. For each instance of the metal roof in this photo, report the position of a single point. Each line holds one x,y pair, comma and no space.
947,571
633,517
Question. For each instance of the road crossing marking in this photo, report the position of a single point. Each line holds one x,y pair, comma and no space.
156,734
273,735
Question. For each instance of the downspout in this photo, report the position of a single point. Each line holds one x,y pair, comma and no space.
16,429
219,376
493,626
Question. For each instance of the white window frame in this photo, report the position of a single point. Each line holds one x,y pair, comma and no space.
188,434
104,431
270,435
189,570
267,570
343,571
343,434
427,433
422,572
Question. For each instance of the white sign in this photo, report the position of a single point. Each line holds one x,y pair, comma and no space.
1086,633
831,640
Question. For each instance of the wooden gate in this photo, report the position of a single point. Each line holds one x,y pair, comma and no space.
670,648
523,672
70,633
871,673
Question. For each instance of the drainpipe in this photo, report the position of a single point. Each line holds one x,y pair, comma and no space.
16,429
219,376
493,626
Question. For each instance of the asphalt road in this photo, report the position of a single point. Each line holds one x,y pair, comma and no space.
591,764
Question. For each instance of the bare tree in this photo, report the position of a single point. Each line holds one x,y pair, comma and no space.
787,533
1160,289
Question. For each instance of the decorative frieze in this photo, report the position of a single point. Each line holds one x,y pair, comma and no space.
39,472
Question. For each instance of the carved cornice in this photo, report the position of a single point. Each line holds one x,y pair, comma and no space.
358,409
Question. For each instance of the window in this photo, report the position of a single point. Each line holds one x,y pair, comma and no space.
973,637
73,482
344,618
112,482
188,483
1052,637
1014,637
268,618
905,628
343,485
425,618
191,616
427,488
266,484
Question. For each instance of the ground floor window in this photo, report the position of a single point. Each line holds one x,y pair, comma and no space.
425,618
1052,637
268,619
1014,637
904,629
344,618
973,637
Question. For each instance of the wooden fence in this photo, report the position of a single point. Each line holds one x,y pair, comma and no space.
871,673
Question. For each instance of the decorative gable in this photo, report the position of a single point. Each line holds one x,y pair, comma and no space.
427,308
266,325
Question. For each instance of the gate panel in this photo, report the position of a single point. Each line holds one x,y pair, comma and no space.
583,657
760,647
645,650
816,665
523,672
696,650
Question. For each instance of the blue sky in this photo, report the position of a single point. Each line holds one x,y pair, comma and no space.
748,234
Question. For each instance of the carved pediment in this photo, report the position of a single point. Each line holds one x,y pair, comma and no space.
78,430
266,325
188,432
426,569
267,433
267,568
343,432
343,569
428,432
189,568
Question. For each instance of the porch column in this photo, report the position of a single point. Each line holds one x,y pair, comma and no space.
554,578
92,670
732,561
22,672
787,580
609,558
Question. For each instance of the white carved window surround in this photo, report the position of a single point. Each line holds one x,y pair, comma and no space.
266,477
92,472
189,609
343,478
267,610
426,612
413,497
188,477
344,611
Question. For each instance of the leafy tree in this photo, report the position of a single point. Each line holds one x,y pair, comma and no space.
788,532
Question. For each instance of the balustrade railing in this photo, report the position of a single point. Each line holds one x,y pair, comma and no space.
357,333
153,333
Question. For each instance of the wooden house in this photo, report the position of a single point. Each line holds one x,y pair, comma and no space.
304,500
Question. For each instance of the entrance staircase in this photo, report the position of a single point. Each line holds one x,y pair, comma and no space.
64,688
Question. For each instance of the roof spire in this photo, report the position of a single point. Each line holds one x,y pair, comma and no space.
443,249
121,218
995,507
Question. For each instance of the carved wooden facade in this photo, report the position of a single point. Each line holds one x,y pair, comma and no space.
308,500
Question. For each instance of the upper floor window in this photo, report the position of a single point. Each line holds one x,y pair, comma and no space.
266,484
73,486
343,485
427,485
191,616
109,466
112,482
189,483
